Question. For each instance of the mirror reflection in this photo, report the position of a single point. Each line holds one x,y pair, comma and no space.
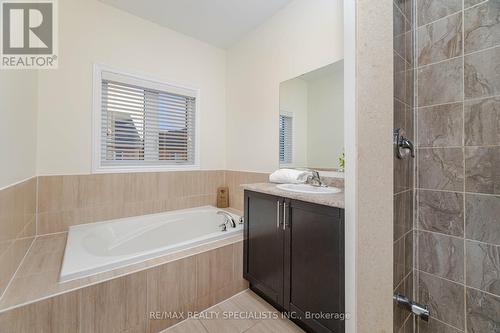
311,119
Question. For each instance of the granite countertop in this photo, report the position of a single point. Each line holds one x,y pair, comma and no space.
332,200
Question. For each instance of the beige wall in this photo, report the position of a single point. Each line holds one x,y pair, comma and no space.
91,32
325,133
18,111
303,36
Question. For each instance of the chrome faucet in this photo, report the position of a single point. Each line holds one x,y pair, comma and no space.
314,179
228,219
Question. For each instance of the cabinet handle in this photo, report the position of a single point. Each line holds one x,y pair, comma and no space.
278,214
284,215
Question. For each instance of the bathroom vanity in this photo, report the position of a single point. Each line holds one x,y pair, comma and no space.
294,254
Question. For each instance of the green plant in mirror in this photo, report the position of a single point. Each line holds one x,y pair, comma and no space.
342,162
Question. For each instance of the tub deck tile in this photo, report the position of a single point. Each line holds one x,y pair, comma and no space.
38,275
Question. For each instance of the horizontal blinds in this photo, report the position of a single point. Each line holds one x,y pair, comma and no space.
145,126
286,139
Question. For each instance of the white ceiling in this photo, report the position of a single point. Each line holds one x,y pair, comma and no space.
218,22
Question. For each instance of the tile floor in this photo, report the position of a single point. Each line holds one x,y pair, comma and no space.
248,307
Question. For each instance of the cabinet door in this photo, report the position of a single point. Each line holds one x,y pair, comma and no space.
263,246
314,265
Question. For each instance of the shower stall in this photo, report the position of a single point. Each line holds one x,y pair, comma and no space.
446,199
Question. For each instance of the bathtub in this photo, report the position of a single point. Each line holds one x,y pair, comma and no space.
102,246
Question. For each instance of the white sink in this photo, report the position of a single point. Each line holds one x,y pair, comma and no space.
306,188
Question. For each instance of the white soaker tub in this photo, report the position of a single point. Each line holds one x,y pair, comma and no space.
98,247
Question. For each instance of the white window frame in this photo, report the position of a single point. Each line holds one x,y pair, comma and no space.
97,166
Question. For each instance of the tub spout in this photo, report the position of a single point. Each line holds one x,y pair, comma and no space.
228,219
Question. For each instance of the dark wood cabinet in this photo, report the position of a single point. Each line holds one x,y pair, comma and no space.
263,245
294,258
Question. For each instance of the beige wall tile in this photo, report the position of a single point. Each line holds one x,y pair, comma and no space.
239,282
69,200
234,180
17,227
115,305
171,287
214,270
123,304
57,314
11,258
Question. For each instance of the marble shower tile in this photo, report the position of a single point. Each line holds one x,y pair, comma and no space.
483,312
399,24
434,326
409,282
440,83
440,126
405,7
441,255
403,213
403,173
482,218
482,26
483,267
400,82
410,124
408,253
400,50
440,40
482,169
482,122
399,114
482,74
399,312
432,10
409,44
444,298
399,262
469,3
441,212
440,169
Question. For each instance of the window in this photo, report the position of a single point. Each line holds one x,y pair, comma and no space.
286,139
143,124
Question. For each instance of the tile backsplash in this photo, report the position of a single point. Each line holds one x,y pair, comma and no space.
64,201
68,200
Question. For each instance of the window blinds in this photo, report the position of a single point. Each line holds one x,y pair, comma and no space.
286,138
144,123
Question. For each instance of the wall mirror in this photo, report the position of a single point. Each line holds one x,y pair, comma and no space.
311,119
